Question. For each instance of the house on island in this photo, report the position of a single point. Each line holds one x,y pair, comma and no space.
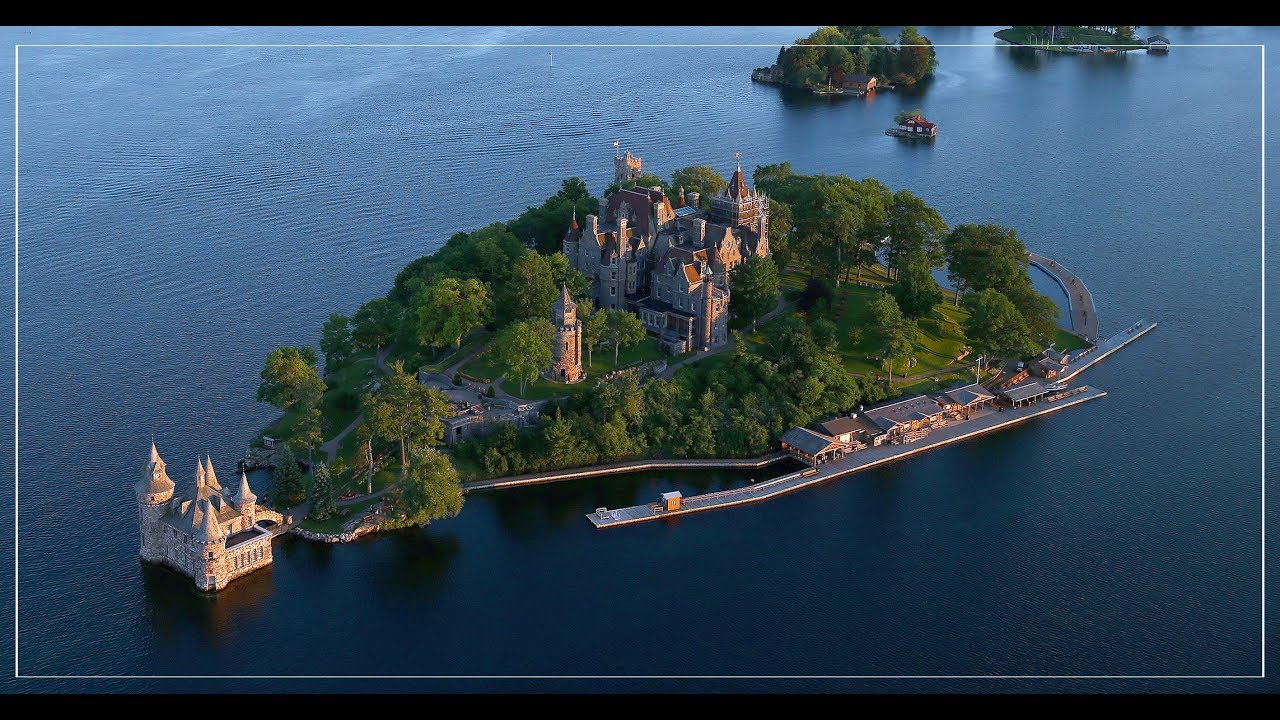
1157,44
1024,393
916,125
812,447
964,399
853,81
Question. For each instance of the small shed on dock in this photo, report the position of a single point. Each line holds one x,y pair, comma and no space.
964,398
1157,44
671,500
853,81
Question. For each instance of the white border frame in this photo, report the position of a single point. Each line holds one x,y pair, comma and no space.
17,674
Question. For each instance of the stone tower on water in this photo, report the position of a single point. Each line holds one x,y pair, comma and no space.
566,352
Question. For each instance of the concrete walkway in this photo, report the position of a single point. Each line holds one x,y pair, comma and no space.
1084,317
625,467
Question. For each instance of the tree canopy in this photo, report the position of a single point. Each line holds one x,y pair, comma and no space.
996,327
406,411
915,290
525,349
857,49
431,491
622,329
531,289
449,309
335,341
755,286
375,323
701,179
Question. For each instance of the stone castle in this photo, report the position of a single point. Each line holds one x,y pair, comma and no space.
667,263
566,365
207,533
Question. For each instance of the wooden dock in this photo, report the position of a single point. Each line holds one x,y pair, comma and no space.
1086,358
626,467
983,421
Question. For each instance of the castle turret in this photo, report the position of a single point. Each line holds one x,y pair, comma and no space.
245,500
210,478
210,543
154,491
571,239
566,352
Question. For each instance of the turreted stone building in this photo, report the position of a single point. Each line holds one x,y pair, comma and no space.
208,533
670,265
566,353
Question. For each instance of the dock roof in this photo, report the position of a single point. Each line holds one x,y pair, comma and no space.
967,395
918,407
1025,391
808,441
840,425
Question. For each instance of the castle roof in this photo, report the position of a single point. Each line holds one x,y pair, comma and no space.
244,495
155,480
737,188
564,302
208,529
210,478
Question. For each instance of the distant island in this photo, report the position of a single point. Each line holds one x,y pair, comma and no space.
860,61
1076,38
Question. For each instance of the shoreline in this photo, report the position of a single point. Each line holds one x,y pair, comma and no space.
1063,49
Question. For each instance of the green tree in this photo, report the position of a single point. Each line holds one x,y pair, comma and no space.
374,323
525,349
825,334
701,179
322,493
335,341
406,411
995,327
622,329
287,488
451,308
912,227
916,291
594,326
895,335
916,58
756,287
781,226
985,256
562,273
431,490
531,289
290,382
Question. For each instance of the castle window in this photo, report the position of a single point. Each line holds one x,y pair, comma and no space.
566,344
613,290
613,274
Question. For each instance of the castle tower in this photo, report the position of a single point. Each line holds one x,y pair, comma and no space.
210,542
737,205
210,478
566,353
625,166
571,239
154,491
245,501
706,307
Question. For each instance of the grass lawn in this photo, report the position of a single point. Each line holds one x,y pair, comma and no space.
467,469
935,383
452,355
350,381
1066,341
941,342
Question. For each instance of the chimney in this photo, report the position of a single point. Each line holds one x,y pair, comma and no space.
691,198
593,226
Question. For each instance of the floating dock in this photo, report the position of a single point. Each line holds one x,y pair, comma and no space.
980,422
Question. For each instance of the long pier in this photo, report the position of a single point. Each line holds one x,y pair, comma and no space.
1085,359
980,422
625,467
1084,317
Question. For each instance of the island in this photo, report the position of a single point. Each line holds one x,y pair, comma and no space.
696,322
1081,38
851,60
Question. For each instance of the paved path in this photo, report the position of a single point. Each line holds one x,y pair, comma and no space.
727,345
330,448
980,422
623,467
1084,317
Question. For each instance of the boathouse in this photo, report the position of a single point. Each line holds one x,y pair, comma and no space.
1050,364
671,500
853,81
918,126
1157,44
964,399
913,414
1024,393
845,429
812,447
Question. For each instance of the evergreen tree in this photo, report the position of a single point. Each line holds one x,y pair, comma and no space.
322,493
287,488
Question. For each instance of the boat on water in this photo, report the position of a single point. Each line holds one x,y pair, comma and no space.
1055,386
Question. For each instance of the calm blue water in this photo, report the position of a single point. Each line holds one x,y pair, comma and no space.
185,210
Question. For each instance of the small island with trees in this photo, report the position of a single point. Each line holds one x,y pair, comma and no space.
1075,38
843,312
851,59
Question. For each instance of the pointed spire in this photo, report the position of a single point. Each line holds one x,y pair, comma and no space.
681,196
155,454
155,482
199,472
573,224
210,478
737,184
209,529
245,496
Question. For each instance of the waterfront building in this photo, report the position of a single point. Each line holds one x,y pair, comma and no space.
670,264
566,352
1157,44
918,126
904,417
812,447
1024,393
964,398
208,533
853,81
